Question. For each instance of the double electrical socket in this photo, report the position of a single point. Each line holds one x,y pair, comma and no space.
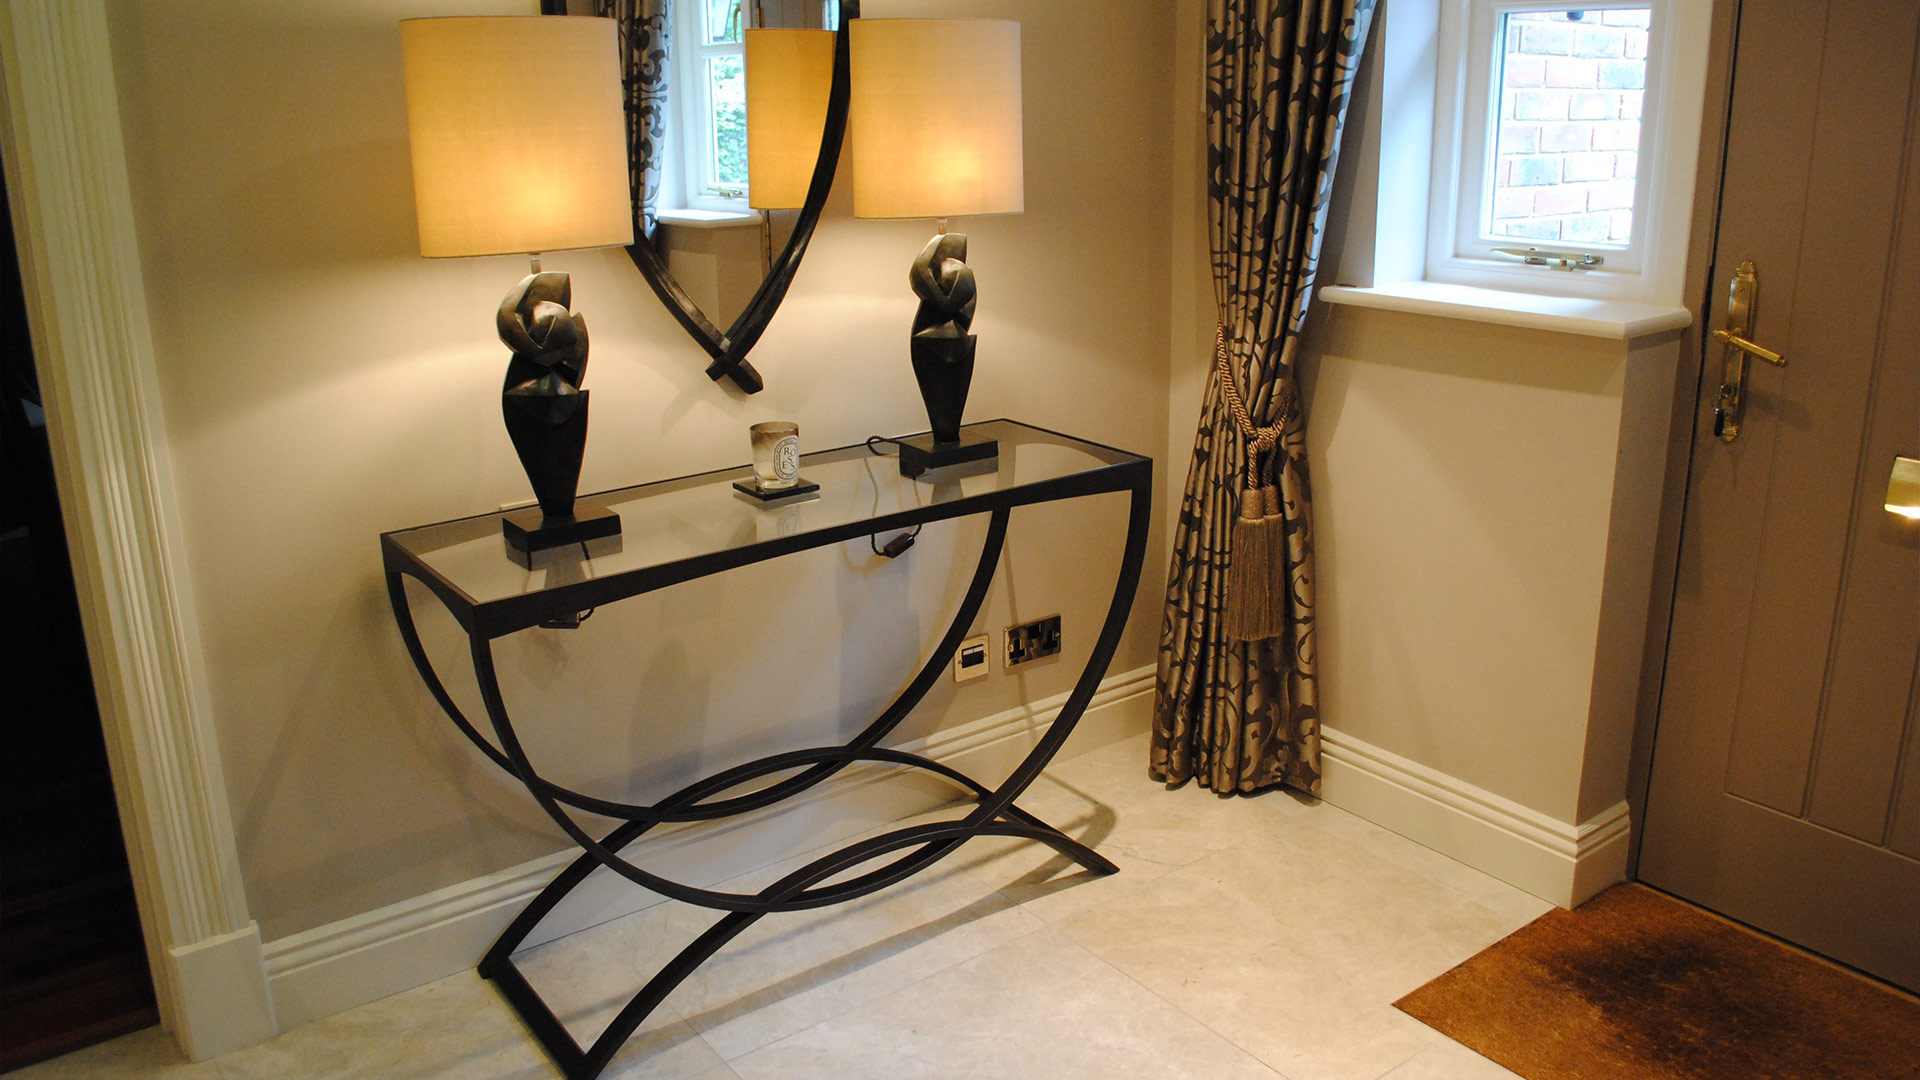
1025,643
1032,641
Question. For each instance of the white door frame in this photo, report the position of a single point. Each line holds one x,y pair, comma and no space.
80,265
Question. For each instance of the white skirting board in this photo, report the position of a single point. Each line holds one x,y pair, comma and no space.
1561,863
333,968
222,1001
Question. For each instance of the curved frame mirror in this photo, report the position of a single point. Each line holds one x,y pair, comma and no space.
729,348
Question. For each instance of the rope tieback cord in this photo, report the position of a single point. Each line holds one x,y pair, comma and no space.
1256,592
1259,439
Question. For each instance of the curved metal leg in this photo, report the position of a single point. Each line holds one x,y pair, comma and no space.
410,634
1139,510
923,845
577,871
576,1062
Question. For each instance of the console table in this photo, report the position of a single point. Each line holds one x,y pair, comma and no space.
680,530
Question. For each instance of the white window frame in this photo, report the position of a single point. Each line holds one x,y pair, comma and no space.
692,160
1465,134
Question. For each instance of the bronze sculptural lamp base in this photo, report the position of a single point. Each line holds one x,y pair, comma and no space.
942,349
546,413
937,134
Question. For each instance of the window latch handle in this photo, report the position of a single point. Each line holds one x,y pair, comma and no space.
1558,260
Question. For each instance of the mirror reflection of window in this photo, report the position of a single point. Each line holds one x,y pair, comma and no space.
713,111
705,148
723,22
718,247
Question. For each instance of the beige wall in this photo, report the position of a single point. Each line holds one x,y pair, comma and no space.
323,383
1472,539
1192,302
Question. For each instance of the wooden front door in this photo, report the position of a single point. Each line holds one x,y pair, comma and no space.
1786,775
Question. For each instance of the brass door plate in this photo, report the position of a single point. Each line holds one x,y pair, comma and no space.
1731,408
1903,487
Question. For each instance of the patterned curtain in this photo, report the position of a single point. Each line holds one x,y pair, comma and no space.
644,39
1244,715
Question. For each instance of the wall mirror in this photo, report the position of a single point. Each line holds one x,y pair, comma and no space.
713,258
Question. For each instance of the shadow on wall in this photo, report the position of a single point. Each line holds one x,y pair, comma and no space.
398,770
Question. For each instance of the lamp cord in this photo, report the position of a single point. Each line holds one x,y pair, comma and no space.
897,546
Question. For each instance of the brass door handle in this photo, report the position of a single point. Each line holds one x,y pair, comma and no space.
1731,407
1745,346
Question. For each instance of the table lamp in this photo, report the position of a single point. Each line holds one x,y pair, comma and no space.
519,146
789,79
935,117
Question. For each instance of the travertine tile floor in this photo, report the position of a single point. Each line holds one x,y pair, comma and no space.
1243,938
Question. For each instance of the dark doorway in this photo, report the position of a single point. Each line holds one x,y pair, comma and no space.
73,966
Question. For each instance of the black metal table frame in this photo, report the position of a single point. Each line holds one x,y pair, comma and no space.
994,815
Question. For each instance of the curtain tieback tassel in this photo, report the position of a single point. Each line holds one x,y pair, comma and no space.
1255,603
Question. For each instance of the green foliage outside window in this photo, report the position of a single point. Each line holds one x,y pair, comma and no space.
730,133
729,82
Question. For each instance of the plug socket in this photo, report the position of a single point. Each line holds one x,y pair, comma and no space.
1030,641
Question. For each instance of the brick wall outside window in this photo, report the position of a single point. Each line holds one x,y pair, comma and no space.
1569,137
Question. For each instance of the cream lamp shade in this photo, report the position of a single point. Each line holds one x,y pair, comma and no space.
789,75
518,133
935,117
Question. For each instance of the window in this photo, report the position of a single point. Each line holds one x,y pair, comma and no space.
1567,90
1560,162
709,46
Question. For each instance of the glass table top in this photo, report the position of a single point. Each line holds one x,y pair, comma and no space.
670,521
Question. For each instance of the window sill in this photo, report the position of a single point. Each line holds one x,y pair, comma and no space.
708,219
1615,319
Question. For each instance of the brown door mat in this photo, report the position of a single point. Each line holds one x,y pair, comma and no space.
1636,985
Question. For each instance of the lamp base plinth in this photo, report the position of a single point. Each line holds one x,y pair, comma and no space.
532,530
752,489
919,453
